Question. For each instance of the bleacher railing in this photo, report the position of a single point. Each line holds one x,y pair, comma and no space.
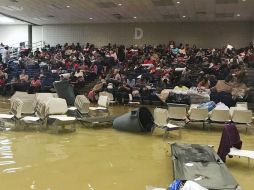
17,47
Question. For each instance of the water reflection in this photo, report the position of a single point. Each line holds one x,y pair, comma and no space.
6,155
56,152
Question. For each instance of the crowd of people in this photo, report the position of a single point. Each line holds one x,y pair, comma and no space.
144,72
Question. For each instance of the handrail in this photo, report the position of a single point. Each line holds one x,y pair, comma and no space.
34,46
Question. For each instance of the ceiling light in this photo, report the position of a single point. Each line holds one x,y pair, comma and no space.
6,20
238,14
184,16
68,6
243,0
178,2
119,4
91,18
134,17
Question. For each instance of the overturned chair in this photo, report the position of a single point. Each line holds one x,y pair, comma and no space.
53,113
20,119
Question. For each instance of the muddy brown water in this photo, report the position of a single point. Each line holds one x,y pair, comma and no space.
102,158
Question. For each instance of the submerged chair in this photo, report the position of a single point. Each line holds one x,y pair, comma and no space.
28,101
198,115
95,118
23,120
242,117
242,105
161,122
110,97
177,112
14,114
103,103
220,116
82,104
131,102
55,114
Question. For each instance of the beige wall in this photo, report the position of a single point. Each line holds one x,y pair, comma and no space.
205,35
12,35
202,34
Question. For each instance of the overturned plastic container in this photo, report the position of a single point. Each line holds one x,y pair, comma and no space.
138,120
65,90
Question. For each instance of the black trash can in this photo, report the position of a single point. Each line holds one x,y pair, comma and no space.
65,90
138,120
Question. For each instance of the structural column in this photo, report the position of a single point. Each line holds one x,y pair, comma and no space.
30,36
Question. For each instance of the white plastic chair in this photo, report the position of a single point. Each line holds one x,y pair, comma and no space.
177,111
220,116
82,104
198,115
161,122
56,109
103,103
110,97
242,117
131,102
242,104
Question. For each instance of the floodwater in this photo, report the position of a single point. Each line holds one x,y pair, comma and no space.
102,158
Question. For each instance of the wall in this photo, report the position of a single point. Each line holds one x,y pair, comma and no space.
202,34
13,34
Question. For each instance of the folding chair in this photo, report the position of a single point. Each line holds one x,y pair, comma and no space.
177,112
82,104
103,103
55,114
110,97
21,120
131,102
242,105
161,122
198,115
242,117
220,116
28,102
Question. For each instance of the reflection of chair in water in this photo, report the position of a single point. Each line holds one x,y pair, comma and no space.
161,122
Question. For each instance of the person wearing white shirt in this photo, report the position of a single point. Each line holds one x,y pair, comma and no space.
6,55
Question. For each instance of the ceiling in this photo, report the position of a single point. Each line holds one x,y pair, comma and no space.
44,12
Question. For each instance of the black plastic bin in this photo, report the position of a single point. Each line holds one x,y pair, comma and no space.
138,120
65,90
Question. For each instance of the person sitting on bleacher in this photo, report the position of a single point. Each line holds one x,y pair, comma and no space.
2,85
35,85
23,77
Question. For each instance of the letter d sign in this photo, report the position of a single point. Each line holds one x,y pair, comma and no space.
138,33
